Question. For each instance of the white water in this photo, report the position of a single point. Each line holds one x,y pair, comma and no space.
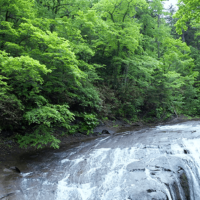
161,163
105,175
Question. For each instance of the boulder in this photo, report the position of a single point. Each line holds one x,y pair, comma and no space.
15,169
105,132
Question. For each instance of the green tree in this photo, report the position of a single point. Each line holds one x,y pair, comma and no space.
188,10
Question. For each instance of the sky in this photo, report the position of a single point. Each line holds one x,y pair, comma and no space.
169,2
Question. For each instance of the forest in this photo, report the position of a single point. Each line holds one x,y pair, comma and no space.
68,63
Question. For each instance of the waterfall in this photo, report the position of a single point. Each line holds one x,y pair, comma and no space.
160,163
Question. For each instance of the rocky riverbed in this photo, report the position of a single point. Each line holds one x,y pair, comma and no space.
161,162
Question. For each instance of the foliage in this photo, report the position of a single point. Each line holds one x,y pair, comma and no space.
39,138
61,61
88,122
50,115
188,10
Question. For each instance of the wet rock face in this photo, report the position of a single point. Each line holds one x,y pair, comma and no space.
136,166
175,191
6,195
160,163
185,185
105,132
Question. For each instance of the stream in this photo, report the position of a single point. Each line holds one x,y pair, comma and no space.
158,163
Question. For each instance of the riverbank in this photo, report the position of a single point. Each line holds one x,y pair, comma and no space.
9,148
10,152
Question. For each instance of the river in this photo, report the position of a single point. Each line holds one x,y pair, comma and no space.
157,163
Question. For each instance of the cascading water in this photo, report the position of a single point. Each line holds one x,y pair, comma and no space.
161,163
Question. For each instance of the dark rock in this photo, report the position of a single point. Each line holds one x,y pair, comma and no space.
105,132
167,170
6,195
96,134
186,151
15,169
176,191
180,169
150,191
77,134
185,185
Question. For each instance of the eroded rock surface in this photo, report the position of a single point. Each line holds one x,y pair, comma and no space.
160,163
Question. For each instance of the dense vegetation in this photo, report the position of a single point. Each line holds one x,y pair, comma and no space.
65,63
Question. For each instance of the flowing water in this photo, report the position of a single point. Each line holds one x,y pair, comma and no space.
159,163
